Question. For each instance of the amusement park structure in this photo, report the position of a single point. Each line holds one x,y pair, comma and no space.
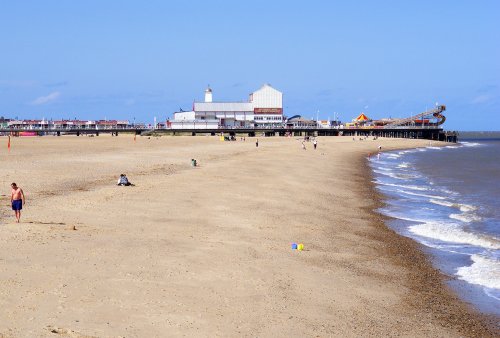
429,118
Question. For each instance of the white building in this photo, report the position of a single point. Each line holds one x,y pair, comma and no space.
264,108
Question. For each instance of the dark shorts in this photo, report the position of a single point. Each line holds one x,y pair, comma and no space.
17,205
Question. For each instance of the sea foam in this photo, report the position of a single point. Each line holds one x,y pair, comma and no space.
466,217
461,207
483,271
450,232
411,187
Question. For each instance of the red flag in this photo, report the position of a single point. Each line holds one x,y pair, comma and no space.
8,144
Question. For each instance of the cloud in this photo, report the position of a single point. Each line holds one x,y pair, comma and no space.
46,99
56,84
487,89
17,83
324,92
482,99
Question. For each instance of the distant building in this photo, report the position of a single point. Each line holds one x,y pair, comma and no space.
298,121
67,124
264,108
4,122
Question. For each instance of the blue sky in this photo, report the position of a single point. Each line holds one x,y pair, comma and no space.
140,59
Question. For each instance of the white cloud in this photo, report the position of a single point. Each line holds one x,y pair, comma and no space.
17,83
482,98
130,102
46,99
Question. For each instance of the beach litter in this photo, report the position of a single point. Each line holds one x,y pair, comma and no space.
298,247
193,162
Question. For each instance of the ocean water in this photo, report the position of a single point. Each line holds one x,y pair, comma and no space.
448,199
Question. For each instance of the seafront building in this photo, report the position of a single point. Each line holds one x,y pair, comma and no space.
66,124
4,122
263,109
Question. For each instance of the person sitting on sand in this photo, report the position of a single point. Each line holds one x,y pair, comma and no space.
123,181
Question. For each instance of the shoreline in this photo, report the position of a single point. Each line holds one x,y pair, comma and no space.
425,280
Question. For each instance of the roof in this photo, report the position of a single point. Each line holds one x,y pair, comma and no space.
300,119
362,117
223,106
267,86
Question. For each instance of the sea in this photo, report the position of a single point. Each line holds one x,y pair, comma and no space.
448,199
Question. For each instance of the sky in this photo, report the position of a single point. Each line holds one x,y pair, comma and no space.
137,60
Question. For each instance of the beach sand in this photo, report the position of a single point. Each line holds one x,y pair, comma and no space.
205,251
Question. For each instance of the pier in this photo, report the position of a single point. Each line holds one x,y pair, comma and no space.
429,133
435,134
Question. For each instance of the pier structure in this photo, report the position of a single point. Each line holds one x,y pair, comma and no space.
436,134
261,115
411,132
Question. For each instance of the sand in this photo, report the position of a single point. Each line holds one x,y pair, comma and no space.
205,251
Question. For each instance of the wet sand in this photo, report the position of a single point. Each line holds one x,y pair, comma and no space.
205,251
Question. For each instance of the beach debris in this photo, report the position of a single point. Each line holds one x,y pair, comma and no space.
66,332
73,227
193,162
294,246
300,247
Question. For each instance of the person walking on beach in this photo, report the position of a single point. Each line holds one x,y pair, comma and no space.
17,200
257,143
303,145
315,143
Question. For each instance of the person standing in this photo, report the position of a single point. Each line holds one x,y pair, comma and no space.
257,143
17,200
315,143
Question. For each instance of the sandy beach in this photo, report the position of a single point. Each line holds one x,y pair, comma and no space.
205,251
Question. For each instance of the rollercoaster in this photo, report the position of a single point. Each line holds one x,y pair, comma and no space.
433,117
427,119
